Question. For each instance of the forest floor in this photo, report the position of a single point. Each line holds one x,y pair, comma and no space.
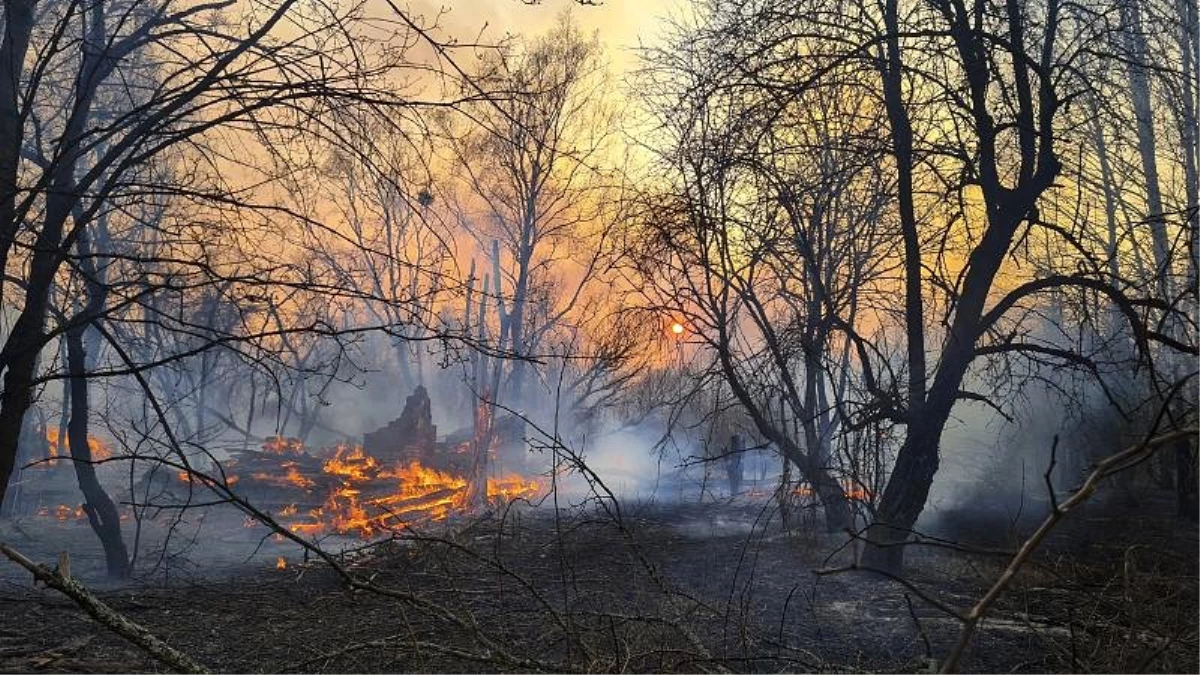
684,588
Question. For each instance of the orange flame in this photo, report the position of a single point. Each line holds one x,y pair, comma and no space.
368,498
278,445
372,499
291,476
230,479
851,491
98,449
352,463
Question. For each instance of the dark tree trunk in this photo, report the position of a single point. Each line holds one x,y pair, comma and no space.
20,355
18,27
101,512
33,446
733,463
22,347
784,492
481,443
904,497
1007,207
833,500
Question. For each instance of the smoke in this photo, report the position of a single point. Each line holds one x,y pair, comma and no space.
625,462
994,467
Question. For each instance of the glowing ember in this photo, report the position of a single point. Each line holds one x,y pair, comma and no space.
278,445
352,463
418,491
230,479
858,494
281,563
513,487
291,476
63,512
852,492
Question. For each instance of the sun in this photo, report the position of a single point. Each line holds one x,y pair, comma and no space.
677,328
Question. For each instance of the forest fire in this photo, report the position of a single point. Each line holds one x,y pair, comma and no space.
352,492
64,513
57,448
414,493
279,445
291,476
791,337
352,463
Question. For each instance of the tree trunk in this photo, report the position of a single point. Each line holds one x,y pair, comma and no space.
1143,108
101,512
904,497
1006,208
24,343
18,26
481,443
733,463
33,446
20,355
1189,135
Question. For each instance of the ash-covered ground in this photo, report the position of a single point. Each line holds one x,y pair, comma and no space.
654,588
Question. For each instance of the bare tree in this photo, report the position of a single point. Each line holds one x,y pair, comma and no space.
174,126
535,172
536,199
776,233
976,101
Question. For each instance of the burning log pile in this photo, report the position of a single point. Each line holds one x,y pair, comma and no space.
344,490
400,476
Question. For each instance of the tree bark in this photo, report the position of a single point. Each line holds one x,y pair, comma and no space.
1139,90
733,463
18,26
20,354
1006,209
1186,475
101,512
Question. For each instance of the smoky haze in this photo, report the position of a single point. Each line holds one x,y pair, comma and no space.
731,335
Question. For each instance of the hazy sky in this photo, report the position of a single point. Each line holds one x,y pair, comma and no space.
620,23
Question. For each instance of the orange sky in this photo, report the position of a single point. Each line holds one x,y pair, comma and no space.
620,23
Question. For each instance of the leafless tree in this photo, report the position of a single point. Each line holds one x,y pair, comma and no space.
775,235
148,153
978,105
536,195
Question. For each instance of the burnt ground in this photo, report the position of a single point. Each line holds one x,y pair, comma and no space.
675,588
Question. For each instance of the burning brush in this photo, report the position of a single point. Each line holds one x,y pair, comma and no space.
351,492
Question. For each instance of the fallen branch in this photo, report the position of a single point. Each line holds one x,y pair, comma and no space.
1107,467
118,623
